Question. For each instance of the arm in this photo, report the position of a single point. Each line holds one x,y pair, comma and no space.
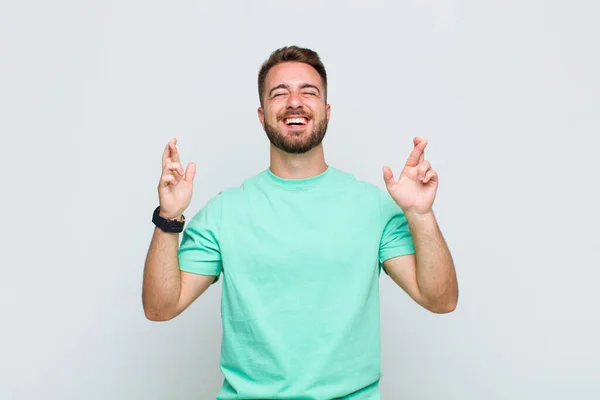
428,276
167,291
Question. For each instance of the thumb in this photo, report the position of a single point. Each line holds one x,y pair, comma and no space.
388,176
190,172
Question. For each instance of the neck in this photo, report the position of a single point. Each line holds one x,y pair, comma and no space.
298,166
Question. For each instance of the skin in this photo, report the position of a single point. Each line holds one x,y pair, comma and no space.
167,291
428,276
292,88
294,99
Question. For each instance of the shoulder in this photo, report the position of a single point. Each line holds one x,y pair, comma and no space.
234,193
231,194
362,187
372,195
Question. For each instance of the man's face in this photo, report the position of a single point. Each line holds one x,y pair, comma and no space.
295,115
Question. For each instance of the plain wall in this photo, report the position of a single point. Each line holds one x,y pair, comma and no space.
506,92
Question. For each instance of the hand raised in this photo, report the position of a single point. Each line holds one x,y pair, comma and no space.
175,187
417,185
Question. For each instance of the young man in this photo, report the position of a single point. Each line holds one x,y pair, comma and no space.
300,247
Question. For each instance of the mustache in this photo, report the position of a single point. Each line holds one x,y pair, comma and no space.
301,113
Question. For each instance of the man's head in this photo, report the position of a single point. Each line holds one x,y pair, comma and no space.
292,87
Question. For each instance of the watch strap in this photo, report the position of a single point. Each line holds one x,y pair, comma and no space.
167,225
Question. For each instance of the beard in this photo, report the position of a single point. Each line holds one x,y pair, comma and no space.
297,144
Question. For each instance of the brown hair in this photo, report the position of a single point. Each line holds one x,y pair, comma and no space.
291,54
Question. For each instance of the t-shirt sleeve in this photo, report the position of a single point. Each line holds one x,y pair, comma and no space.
199,251
396,239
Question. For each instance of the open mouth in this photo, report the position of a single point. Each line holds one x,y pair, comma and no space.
295,121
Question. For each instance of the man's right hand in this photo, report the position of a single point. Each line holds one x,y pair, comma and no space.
175,187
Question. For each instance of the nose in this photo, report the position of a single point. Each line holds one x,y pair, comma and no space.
294,100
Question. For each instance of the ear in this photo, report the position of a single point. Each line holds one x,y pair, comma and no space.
261,116
328,111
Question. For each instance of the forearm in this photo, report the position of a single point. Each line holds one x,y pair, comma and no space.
162,277
436,276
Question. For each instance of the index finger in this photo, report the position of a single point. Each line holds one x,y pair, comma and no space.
417,154
174,151
416,141
167,156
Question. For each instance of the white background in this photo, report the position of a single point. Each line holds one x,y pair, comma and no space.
506,92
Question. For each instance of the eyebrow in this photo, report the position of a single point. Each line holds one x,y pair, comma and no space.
284,86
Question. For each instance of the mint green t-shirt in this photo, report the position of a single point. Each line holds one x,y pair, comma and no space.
299,262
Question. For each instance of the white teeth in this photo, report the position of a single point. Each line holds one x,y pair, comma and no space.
295,121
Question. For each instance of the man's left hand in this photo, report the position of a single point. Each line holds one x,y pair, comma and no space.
417,185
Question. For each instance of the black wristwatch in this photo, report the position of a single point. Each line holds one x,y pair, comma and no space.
167,225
